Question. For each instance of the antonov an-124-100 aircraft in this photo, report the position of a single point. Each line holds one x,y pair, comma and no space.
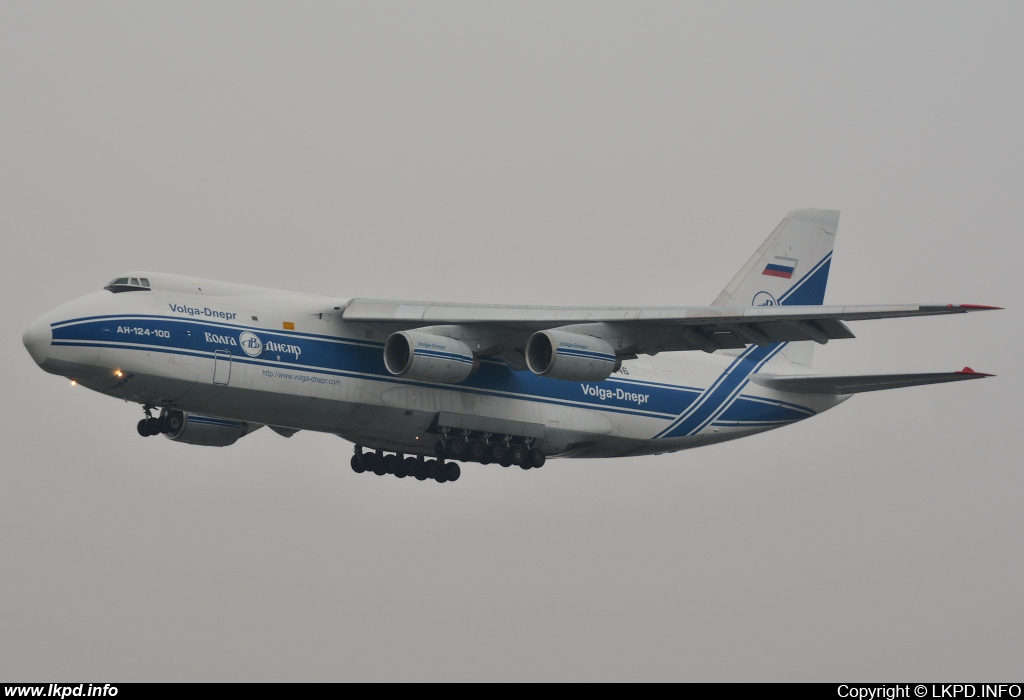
421,386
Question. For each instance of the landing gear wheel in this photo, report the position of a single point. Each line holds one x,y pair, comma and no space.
372,463
400,467
357,465
475,450
517,454
409,466
153,426
421,473
506,462
456,448
496,452
536,458
526,465
390,463
432,468
142,428
454,471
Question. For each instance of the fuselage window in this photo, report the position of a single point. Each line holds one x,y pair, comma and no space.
145,281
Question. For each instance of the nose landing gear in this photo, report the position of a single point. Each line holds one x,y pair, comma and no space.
168,422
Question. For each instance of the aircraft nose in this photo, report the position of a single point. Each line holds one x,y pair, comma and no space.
37,339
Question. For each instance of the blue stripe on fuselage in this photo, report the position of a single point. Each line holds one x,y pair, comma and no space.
344,357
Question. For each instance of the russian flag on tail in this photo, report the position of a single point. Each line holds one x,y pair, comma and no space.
780,267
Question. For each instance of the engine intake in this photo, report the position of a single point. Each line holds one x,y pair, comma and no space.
428,357
194,429
571,356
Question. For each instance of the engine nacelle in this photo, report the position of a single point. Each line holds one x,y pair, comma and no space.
428,357
561,355
203,430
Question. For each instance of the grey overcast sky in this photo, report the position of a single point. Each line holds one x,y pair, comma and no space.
522,152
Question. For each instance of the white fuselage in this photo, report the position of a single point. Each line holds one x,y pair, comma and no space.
289,360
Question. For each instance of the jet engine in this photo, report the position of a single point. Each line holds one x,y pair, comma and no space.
571,356
194,429
428,357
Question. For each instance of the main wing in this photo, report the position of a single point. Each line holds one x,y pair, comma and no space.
638,330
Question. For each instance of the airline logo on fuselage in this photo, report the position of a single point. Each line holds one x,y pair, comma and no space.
251,344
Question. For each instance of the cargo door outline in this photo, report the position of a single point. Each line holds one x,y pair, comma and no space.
221,367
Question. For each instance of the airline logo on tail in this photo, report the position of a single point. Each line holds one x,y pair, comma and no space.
781,267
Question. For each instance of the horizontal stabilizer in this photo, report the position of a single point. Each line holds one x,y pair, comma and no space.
854,384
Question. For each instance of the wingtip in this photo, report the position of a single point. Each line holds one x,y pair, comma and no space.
979,375
980,307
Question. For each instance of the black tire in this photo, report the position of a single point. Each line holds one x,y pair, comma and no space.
475,450
496,452
390,463
456,449
400,471
372,462
357,465
432,468
409,466
525,465
506,462
454,471
153,426
142,428
536,458
517,453
421,470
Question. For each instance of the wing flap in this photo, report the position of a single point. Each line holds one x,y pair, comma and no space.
854,384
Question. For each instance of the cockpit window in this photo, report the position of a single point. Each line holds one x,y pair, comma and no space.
124,284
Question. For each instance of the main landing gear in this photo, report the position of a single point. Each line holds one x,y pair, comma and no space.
401,466
488,449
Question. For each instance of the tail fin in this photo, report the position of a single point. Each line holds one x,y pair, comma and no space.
789,269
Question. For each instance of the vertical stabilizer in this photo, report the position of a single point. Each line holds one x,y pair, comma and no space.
789,269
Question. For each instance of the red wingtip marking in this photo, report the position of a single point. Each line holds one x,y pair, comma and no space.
968,370
981,307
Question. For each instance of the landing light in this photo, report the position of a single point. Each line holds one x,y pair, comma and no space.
118,373
74,383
